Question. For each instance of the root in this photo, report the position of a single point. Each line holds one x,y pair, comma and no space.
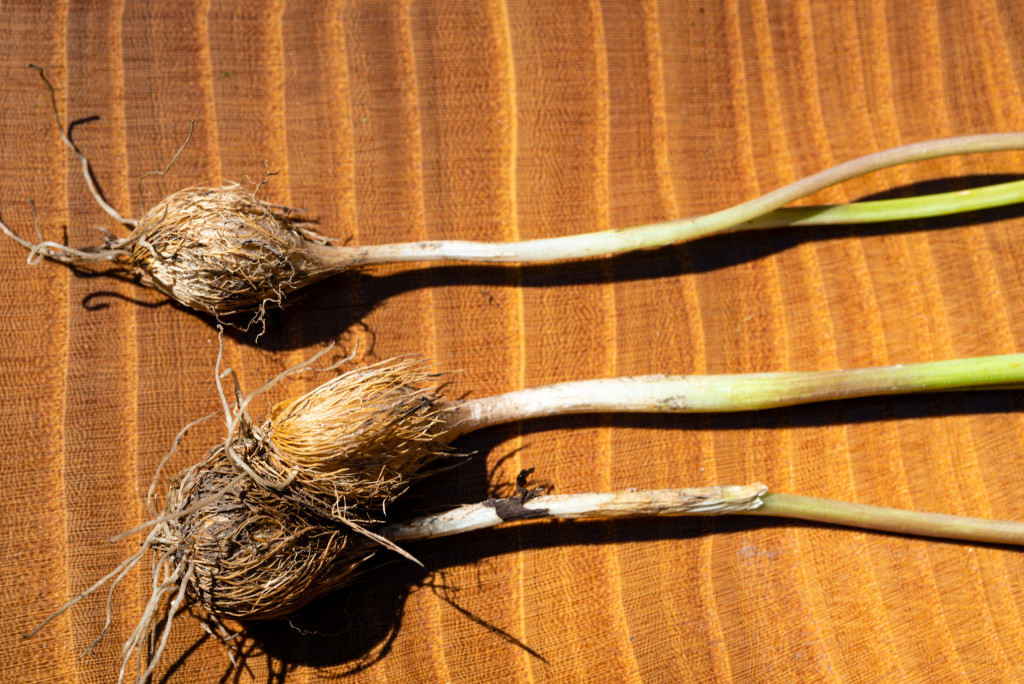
257,185
220,251
357,441
118,572
237,417
138,187
172,610
174,448
86,167
144,629
115,250
228,544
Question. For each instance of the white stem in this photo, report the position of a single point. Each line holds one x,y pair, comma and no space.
753,499
736,392
630,503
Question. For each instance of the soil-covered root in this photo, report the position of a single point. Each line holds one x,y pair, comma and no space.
251,554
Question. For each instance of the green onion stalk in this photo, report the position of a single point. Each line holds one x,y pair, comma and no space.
752,499
223,251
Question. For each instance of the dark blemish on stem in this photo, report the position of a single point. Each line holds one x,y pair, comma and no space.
677,403
511,508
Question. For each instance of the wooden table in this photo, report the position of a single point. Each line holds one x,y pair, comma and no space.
513,120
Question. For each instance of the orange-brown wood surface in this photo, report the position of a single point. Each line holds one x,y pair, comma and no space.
509,120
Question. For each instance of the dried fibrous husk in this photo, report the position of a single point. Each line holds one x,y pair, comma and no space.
355,443
222,250
250,554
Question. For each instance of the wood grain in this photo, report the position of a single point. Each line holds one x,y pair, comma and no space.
510,120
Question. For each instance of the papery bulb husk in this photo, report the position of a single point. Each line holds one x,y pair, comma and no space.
222,251
254,555
358,441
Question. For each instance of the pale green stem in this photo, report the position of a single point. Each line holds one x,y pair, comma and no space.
723,500
905,209
618,241
895,520
735,392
